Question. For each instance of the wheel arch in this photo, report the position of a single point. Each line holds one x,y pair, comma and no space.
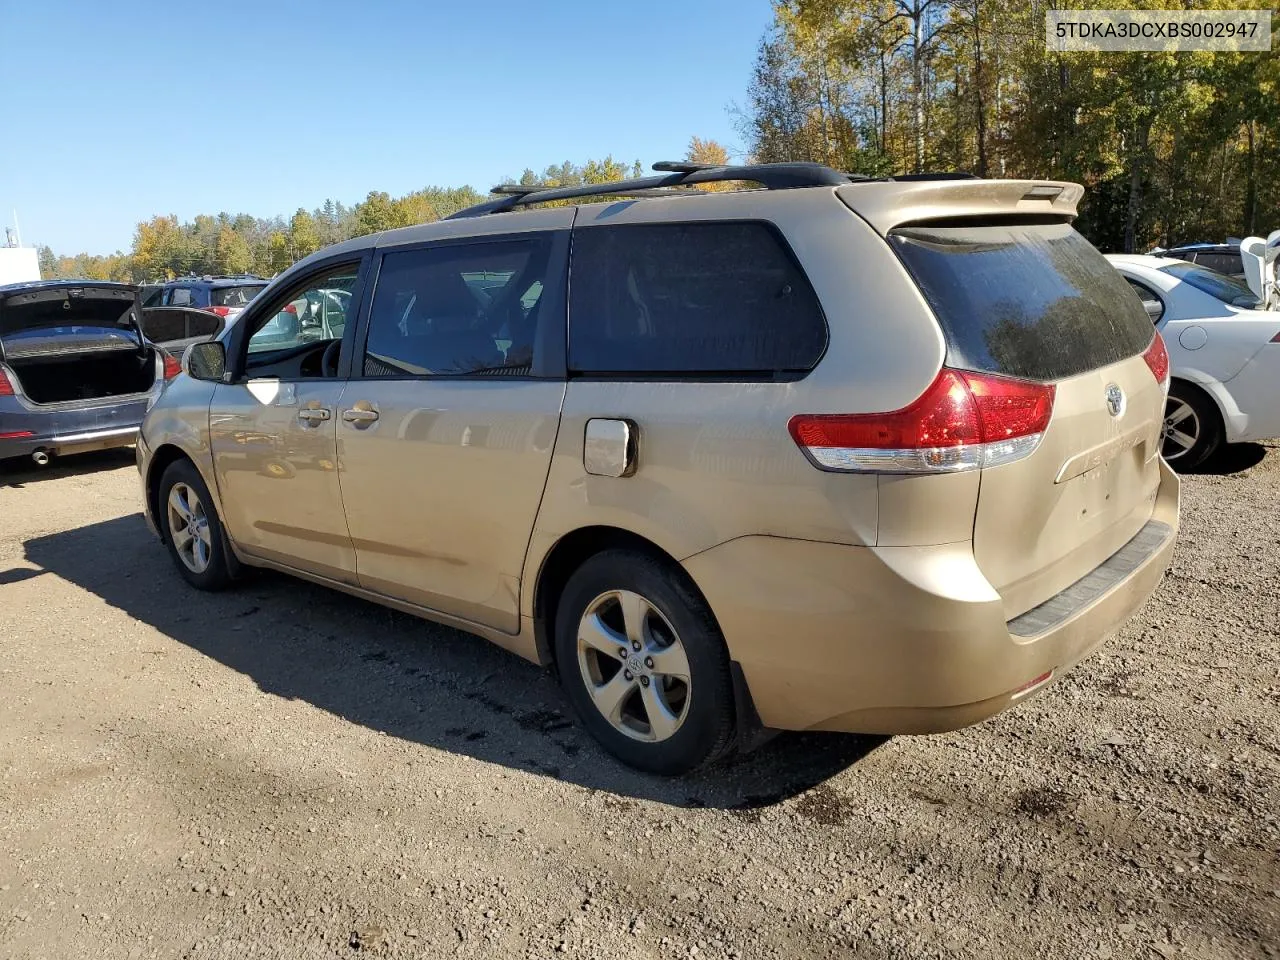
1229,414
161,459
565,556
574,549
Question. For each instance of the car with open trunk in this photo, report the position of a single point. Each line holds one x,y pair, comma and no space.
76,371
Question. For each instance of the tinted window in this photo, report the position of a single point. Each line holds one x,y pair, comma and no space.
161,326
315,312
200,324
453,310
1222,262
1026,300
689,299
1224,288
234,296
179,297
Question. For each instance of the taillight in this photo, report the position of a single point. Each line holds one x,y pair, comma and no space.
220,311
6,388
1276,338
1157,358
172,366
963,421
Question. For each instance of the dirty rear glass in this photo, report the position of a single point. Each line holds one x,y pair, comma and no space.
1035,301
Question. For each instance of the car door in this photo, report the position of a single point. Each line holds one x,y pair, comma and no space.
273,432
446,429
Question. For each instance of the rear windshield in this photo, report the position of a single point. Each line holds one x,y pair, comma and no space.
1035,301
1227,289
234,296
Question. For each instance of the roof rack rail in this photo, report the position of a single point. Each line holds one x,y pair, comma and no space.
771,176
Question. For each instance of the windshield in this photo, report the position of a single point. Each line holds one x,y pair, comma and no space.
1224,288
234,296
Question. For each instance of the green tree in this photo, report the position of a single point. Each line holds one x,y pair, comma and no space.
375,214
304,234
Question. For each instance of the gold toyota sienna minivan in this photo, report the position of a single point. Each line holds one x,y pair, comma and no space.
821,453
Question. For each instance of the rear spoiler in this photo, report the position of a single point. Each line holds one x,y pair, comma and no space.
889,205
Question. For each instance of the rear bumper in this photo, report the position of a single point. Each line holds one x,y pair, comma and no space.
69,428
905,639
57,444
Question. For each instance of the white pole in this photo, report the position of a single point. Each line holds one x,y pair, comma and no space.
17,232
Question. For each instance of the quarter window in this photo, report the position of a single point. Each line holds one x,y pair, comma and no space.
457,310
180,297
691,299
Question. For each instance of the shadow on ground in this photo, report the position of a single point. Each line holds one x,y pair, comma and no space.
21,471
1233,458
406,677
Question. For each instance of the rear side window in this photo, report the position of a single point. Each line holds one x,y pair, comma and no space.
1222,262
180,297
234,296
690,299
1035,301
161,326
201,324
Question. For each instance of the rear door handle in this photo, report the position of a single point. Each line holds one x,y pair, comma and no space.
356,415
313,414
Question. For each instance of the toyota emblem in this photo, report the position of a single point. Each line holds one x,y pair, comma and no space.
1115,399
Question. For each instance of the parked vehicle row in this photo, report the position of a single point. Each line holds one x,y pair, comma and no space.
834,454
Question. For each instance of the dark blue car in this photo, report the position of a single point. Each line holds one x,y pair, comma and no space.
76,372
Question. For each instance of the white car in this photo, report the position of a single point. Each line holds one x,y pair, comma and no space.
1224,355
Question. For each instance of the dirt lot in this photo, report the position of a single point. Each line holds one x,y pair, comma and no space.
281,771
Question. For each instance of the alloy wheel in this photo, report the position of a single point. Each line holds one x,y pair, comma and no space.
189,528
1181,429
634,666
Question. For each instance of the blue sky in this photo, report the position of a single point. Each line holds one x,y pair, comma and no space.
112,112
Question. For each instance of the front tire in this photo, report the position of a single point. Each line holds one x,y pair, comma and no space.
192,529
643,662
1192,427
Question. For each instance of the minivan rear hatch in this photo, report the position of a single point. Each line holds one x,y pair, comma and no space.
1027,297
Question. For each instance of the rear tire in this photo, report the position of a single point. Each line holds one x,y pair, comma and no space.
643,663
191,528
1192,429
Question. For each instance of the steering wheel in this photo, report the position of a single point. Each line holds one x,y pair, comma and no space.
329,359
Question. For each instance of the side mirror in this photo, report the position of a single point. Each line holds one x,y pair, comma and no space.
206,360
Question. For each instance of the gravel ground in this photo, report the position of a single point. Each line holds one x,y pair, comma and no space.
281,771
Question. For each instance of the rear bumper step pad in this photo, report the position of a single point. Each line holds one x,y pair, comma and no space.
1112,571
